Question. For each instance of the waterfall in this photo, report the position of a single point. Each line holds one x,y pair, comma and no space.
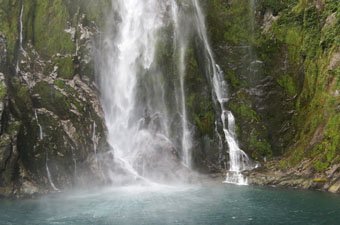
239,160
21,49
147,120
41,137
139,109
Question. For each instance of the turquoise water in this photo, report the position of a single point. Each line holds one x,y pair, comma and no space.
218,204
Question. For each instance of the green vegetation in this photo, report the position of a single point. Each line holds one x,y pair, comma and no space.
3,91
65,67
9,14
50,22
311,35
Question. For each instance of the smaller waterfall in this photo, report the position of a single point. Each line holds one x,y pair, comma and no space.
21,49
186,136
41,137
95,139
41,134
21,27
49,175
239,160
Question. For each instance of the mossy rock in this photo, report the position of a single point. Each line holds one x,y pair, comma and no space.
50,22
65,67
51,99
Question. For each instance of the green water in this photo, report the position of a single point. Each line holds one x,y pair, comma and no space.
219,204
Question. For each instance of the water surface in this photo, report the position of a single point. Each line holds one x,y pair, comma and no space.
218,204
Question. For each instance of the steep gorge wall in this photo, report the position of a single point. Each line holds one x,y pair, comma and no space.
51,118
283,71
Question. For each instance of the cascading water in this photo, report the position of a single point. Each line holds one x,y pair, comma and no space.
239,160
135,102
148,126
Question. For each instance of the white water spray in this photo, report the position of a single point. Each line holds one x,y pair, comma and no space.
239,160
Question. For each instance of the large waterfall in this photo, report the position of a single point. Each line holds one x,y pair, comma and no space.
146,116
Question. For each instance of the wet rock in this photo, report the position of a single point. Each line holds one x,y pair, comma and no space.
335,188
29,189
49,108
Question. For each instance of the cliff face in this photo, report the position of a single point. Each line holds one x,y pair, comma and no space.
51,118
282,62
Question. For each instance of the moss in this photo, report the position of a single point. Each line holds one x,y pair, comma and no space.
242,110
52,99
3,91
60,83
95,10
260,147
22,98
288,84
234,81
65,67
301,6
275,5
320,166
320,180
9,14
50,23
229,22
205,122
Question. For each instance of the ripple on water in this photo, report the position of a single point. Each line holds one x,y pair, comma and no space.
218,204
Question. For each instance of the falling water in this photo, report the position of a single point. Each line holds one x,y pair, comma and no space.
21,27
40,127
49,175
137,115
186,136
239,160
41,137
94,139
180,45
21,49
147,127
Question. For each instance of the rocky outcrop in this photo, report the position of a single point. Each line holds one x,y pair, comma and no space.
299,177
52,129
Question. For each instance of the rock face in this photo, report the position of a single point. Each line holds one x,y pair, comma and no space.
281,62
300,177
52,125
